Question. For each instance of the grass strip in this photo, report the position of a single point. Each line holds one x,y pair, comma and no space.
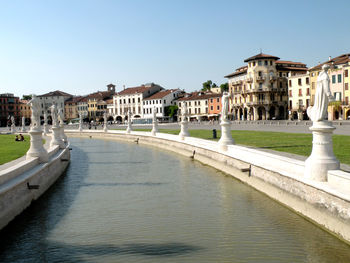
10,149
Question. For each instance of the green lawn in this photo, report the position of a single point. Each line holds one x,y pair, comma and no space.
10,149
296,143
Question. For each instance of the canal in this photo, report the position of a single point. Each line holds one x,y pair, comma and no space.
122,202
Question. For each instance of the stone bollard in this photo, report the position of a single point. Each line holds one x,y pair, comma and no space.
226,137
56,137
36,146
322,158
184,130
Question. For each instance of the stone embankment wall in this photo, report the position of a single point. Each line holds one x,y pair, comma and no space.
327,204
26,181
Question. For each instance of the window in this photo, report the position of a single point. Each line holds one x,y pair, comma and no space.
218,107
212,107
129,100
211,100
266,63
260,86
290,83
271,63
299,82
164,101
254,64
300,92
290,104
259,62
347,100
307,81
346,73
346,86
133,100
199,110
138,100
307,92
339,78
333,79
217,99
290,93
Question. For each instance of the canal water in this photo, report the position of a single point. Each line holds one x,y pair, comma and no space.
121,202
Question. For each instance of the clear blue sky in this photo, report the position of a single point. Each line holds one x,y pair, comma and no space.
81,46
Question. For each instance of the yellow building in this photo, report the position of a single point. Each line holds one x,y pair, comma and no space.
71,108
299,96
346,107
25,110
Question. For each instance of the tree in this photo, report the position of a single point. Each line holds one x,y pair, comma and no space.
27,97
224,87
207,85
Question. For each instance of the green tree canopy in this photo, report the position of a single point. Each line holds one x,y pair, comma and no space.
27,97
224,87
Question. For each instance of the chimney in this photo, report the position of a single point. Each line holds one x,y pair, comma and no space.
123,87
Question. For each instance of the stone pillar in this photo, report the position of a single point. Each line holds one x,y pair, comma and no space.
23,129
267,113
36,146
256,115
80,126
322,158
13,128
226,137
105,128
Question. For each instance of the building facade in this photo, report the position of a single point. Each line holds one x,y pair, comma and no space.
9,106
132,99
159,101
299,96
55,97
259,89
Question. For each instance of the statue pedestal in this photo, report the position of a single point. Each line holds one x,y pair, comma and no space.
12,128
80,127
105,129
56,137
23,129
129,128
226,137
36,146
184,130
63,135
46,129
154,128
322,158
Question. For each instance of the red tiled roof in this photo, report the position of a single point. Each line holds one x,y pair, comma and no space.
160,94
261,56
342,59
55,93
134,90
289,62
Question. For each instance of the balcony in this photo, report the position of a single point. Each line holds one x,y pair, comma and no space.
260,78
272,78
249,79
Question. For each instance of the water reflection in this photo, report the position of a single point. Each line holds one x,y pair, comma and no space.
148,205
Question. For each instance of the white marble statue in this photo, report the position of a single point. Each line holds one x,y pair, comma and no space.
224,110
60,115
12,120
105,118
34,103
54,116
323,96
